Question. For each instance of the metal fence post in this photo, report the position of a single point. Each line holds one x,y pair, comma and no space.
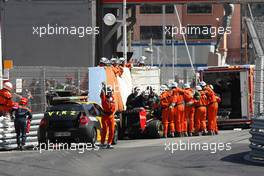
46,78
44,89
259,86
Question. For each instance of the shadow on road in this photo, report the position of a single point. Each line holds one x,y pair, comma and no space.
239,159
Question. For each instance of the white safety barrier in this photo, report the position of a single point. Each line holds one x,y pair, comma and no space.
8,135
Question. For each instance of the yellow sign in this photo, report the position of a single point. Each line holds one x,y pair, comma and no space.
8,64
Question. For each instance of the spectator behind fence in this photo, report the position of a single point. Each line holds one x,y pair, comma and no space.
26,93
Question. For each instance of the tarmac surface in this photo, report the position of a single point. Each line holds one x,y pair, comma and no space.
194,156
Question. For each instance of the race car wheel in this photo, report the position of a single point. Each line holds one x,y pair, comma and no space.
42,140
115,136
155,129
134,133
43,144
92,135
121,132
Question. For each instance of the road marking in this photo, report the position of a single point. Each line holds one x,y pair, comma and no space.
237,129
16,151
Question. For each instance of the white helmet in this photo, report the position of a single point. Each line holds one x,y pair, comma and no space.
163,88
122,59
104,60
143,58
198,88
8,86
174,85
186,86
141,62
147,92
113,61
202,83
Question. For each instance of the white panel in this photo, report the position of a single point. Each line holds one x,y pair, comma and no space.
146,76
244,93
125,85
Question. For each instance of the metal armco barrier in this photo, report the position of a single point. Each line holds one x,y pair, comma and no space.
257,141
8,135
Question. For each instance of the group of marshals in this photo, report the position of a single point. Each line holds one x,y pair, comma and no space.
186,110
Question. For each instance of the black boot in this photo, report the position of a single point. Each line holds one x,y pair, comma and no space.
172,134
190,134
210,133
177,134
18,147
197,134
185,134
23,147
204,133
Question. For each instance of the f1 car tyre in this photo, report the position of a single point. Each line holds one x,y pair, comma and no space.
115,136
121,132
42,140
155,129
134,133
43,143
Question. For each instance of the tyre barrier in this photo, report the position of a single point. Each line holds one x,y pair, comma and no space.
257,141
8,135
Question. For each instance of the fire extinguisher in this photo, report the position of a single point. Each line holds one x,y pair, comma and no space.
28,125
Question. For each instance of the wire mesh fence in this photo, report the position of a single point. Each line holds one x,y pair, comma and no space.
37,82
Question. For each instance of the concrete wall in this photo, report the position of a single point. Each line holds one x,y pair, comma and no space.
26,49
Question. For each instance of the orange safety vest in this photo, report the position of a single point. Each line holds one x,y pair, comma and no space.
188,96
6,103
178,96
165,99
108,104
210,94
203,99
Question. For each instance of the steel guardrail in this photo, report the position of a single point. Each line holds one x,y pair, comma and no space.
8,134
256,141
